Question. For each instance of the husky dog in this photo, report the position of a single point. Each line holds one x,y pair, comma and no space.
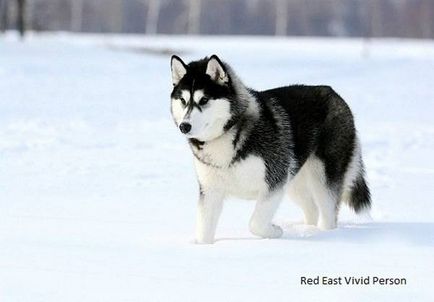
260,144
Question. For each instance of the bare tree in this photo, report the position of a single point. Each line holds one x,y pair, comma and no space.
426,19
76,15
304,17
4,14
152,16
281,24
376,20
194,9
337,23
21,21
365,18
115,15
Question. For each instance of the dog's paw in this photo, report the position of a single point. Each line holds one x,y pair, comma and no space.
326,225
275,232
271,231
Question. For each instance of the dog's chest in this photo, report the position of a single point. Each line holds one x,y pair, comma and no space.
243,179
246,178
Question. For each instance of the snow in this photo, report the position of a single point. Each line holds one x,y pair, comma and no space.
98,190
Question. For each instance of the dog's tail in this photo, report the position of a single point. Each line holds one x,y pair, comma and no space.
359,196
356,190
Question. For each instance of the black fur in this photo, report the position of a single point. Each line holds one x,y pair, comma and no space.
274,146
196,78
321,123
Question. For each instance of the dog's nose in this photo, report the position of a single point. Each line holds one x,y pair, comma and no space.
185,127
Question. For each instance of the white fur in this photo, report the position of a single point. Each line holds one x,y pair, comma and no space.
207,123
216,71
300,193
178,110
186,95
309,189
219,151
260,223
178,71
208,212
244,179
353,171
198,95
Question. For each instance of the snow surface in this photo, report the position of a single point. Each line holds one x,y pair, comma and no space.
98,192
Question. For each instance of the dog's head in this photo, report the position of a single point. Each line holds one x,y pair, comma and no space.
201,98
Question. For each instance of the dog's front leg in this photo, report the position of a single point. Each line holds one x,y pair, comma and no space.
261,221
208,212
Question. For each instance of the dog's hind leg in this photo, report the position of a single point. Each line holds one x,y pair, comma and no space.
323,195
261,221
310,210
327,205
300,194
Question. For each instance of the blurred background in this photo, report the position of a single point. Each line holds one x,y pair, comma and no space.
342,18
97,186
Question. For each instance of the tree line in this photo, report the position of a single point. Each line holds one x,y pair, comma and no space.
352,18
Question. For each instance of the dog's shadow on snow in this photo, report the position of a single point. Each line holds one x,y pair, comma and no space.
407,233
420,234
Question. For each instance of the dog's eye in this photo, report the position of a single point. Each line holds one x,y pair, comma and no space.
182,101
203,101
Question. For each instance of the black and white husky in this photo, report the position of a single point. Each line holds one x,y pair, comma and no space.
260,144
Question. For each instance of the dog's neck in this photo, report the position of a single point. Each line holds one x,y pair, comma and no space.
214,153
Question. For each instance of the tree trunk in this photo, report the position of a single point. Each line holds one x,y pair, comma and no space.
152,17
116,16
426,18
194,16
304,18
376,22
281,24
22,17
4,14
76,15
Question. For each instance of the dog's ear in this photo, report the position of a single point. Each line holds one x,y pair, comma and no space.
216,70
179,69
